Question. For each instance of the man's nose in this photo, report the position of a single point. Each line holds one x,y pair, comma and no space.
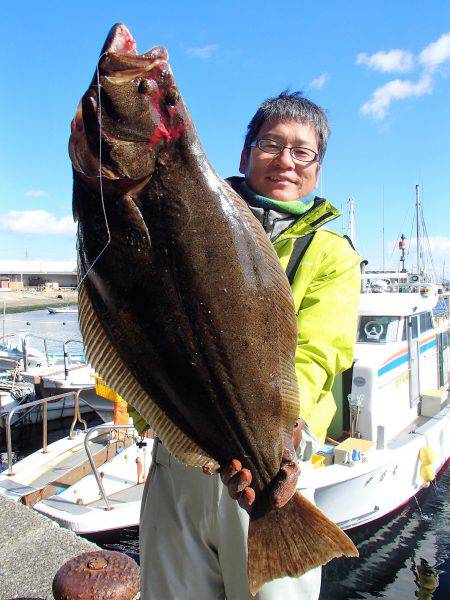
284,158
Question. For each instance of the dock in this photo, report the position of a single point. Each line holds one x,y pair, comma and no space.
32,549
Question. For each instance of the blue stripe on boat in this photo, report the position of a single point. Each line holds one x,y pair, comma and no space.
400,360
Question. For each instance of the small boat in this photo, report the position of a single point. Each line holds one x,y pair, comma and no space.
77,480
109,497
63,378
12,351
49,373
63,310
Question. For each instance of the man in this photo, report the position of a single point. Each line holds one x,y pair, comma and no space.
193,537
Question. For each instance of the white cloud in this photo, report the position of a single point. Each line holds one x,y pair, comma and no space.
37,222
440,244
436,53
431,57
203,52
387,62
397,89
35,193
320,81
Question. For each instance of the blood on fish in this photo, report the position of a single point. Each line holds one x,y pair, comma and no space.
159,134
166,130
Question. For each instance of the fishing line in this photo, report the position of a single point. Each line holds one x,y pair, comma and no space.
100,174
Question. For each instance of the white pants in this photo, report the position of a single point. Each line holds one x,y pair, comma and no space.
193,540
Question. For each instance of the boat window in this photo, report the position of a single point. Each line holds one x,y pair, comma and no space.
414,329
378,330
426,322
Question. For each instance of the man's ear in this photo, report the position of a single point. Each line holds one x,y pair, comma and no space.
244,161
319,166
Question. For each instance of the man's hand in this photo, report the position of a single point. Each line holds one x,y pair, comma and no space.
283,487
238,481
297,433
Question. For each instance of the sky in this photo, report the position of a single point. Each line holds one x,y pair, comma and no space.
380,69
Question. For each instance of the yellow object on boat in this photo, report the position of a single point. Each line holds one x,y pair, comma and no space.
427,473
318,461
427,456
101,389
121,416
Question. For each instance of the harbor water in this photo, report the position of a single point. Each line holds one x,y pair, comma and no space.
402,556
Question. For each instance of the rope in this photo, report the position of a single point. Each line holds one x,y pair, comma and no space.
99,174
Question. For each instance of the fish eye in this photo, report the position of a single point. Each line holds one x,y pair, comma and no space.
172,96
147,86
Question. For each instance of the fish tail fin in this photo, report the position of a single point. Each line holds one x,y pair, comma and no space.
292,540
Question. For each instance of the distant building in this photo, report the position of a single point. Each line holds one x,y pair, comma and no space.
38,272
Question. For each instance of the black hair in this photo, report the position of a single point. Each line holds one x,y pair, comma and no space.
291,106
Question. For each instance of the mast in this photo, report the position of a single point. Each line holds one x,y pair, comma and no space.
418,228
382,234
351,224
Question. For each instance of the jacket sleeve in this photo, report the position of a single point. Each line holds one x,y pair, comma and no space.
327,319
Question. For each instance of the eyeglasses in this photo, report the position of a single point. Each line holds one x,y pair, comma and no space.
300,155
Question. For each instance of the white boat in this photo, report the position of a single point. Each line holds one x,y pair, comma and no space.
20,350
59,379
53,373
108,498
12,351
88,482
62,310
393,412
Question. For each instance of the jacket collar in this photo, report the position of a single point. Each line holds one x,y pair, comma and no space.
280,226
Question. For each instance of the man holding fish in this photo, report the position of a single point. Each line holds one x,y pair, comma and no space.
281,161
187,313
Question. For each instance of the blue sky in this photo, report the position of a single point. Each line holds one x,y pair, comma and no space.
381,70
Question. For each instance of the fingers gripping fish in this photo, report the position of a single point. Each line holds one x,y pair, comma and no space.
187,313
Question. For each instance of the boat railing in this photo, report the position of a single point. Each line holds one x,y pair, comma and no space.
42,402
90,433
66,355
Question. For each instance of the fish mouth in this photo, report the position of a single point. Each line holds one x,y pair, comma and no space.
120,41
120,61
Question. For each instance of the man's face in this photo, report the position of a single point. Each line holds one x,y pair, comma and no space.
277,176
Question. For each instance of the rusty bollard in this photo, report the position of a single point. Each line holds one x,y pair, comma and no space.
98,575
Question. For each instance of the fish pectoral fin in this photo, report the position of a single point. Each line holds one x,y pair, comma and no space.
292,540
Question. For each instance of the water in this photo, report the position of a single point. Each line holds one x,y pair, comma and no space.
41,323
402,556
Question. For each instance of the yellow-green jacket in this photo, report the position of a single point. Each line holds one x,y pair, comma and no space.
326,291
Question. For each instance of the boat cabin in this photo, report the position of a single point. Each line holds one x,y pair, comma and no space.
401,353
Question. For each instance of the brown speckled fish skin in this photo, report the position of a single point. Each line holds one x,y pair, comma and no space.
189,291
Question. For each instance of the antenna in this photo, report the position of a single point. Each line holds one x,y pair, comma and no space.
402,245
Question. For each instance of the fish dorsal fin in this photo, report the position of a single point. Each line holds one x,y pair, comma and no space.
284,315
107,362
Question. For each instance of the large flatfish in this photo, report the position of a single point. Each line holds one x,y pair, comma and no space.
184,307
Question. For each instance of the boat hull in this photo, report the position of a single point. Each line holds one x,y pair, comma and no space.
362,493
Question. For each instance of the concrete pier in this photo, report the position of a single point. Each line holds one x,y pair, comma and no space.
32,549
